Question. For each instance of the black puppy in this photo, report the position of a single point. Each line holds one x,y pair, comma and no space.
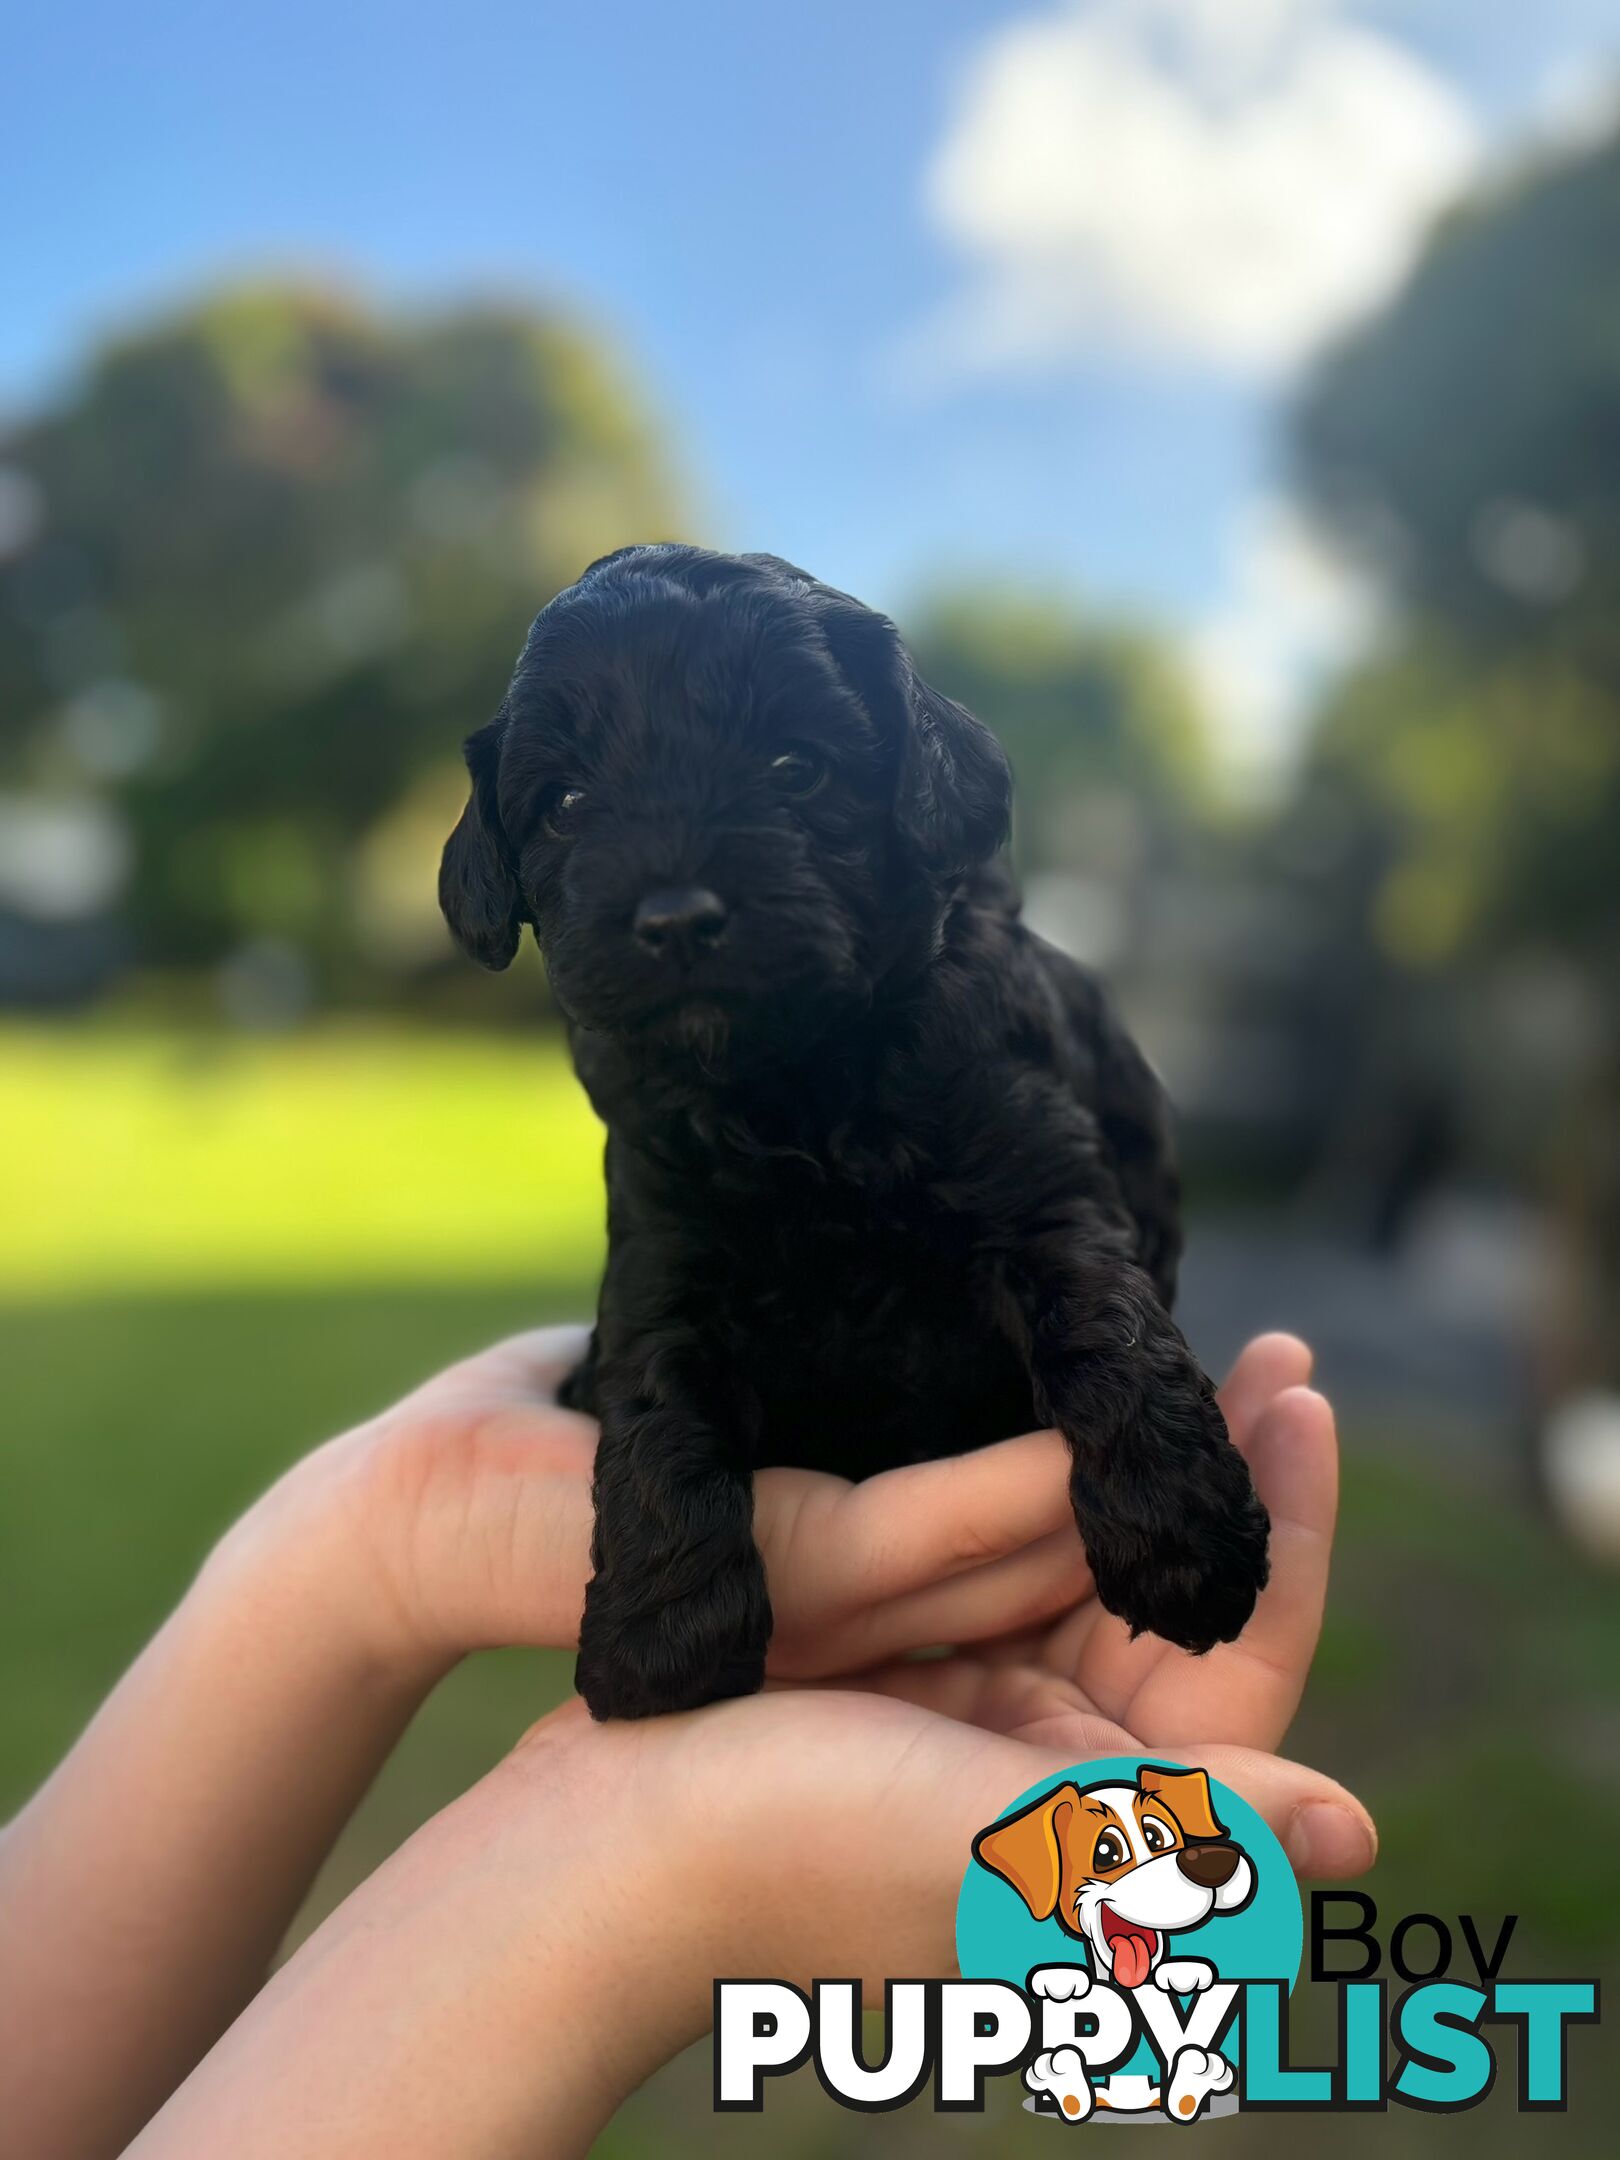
886,1178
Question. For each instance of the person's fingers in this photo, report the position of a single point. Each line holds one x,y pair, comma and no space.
907,1529
475,1494
1264,1368
1023,1591
1112,1666
1296,1472
1248,1690
501,1549
954,1550
501,1535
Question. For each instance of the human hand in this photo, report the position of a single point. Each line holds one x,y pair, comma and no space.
807,1831
145,1888
534,1952
460,1519
1084,1683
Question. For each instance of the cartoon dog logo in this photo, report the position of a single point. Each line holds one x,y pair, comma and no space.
1122,1868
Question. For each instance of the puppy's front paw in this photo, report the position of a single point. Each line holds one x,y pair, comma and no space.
642,1654
1182,1557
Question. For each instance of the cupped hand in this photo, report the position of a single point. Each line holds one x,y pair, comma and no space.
1083,1682
872,1789
832,1826
464,1517
463,1514
807,1831
536,1950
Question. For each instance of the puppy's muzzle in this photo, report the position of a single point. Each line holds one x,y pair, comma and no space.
1208,1865
680,924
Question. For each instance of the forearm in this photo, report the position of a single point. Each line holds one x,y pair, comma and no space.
501,1984
146,1887
495,1989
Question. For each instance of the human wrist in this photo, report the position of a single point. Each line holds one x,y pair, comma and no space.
606,1905
794,1867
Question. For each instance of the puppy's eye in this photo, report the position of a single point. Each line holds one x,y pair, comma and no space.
1109,1850
1155,1836
559,809
798,771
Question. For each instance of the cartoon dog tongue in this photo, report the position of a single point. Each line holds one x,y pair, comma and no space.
1133,1949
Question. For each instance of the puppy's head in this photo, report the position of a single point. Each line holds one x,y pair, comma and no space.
1121,1867
723,798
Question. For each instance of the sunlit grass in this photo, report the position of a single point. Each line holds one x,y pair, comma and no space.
162,1161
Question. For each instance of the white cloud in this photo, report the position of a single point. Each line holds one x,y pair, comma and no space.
1218,181
1292,613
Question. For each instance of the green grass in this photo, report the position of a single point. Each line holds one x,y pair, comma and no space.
158,1159
138,1428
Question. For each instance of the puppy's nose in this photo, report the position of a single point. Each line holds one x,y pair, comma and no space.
1208,1865
680,923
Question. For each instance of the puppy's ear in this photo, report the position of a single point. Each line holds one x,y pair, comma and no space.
953,791
1026,1849
1187,1795
955,788
478,887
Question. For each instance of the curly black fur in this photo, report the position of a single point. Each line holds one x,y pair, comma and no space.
886,1177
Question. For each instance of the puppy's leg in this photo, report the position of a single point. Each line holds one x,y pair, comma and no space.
677,1613
1172,1527
1173,1530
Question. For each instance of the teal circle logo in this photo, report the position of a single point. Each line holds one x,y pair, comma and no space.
1131,1898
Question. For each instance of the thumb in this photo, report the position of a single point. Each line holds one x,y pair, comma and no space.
1325,1830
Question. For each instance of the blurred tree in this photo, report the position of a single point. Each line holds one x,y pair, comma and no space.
1467,444
279,553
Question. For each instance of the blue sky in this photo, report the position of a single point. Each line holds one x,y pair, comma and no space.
790,220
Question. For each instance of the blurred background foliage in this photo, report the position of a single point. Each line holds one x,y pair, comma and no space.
271,1152
1476,469
287,546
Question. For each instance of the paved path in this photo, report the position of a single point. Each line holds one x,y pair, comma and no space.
1431,1345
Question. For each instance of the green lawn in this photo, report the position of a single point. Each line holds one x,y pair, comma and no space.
152,1159
171,1338
137,1429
